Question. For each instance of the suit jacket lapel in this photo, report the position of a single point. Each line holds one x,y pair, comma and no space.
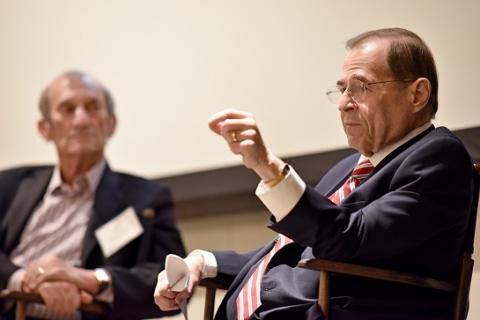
107,204
246,270
28,195
335,185
227,306
403,147
240,280
328,187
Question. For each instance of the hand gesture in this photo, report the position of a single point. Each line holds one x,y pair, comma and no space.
165,298
242,134
52,269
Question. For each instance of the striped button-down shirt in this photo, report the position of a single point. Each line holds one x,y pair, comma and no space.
57,227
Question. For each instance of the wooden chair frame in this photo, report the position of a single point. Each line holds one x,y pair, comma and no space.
211,285
22,299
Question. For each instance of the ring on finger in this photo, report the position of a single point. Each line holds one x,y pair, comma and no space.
40,270
233,135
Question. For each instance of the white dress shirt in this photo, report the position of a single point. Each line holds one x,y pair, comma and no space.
57,227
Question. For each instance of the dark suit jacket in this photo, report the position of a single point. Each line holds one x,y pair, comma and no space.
135,266
410,215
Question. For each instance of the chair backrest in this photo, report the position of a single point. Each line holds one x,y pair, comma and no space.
470,237
465,270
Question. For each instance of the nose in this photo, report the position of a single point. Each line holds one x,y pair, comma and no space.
346,102
81,116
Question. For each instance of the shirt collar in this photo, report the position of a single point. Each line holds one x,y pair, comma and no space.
386,150
92,177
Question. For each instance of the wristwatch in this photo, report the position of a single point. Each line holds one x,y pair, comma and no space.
283,174
285,170
103,279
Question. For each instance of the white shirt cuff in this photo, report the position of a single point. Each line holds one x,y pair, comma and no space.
281,199
210,267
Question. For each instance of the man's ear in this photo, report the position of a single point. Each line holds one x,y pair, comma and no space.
420,93
45,129
111,125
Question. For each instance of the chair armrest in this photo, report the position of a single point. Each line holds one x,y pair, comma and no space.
211,285
95,307
216,283
375,273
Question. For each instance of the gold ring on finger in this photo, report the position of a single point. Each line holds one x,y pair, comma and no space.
233,134
40,270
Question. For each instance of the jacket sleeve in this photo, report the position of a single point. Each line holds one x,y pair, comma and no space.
9,181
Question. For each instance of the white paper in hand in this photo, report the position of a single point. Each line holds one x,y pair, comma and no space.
178,276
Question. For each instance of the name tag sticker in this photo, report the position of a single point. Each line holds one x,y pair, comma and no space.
118,232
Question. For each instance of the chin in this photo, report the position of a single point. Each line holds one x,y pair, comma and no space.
358,147
84,151
352,142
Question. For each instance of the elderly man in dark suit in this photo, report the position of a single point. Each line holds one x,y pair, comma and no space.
401,202
78,230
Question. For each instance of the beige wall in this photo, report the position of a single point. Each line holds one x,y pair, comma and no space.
171,64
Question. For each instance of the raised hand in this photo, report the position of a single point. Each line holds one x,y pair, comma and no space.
240,130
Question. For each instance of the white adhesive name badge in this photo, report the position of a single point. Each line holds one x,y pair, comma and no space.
118,232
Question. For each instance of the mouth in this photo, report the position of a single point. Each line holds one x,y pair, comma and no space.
81,134
350,124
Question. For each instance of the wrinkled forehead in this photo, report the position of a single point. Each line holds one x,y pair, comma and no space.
367,61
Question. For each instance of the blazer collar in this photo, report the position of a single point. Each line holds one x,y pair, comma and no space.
349,163
402,148
344,171
385,151
27,197
107,204
240,280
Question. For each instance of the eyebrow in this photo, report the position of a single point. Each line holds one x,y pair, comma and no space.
360,77
341,82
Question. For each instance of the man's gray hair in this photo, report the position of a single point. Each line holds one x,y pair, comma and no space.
408,57
44,104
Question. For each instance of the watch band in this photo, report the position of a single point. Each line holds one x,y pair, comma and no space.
283,174
103,279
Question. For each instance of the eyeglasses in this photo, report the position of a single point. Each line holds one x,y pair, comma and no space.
356,89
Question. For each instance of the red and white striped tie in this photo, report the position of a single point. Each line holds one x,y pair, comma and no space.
248,299
361,171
